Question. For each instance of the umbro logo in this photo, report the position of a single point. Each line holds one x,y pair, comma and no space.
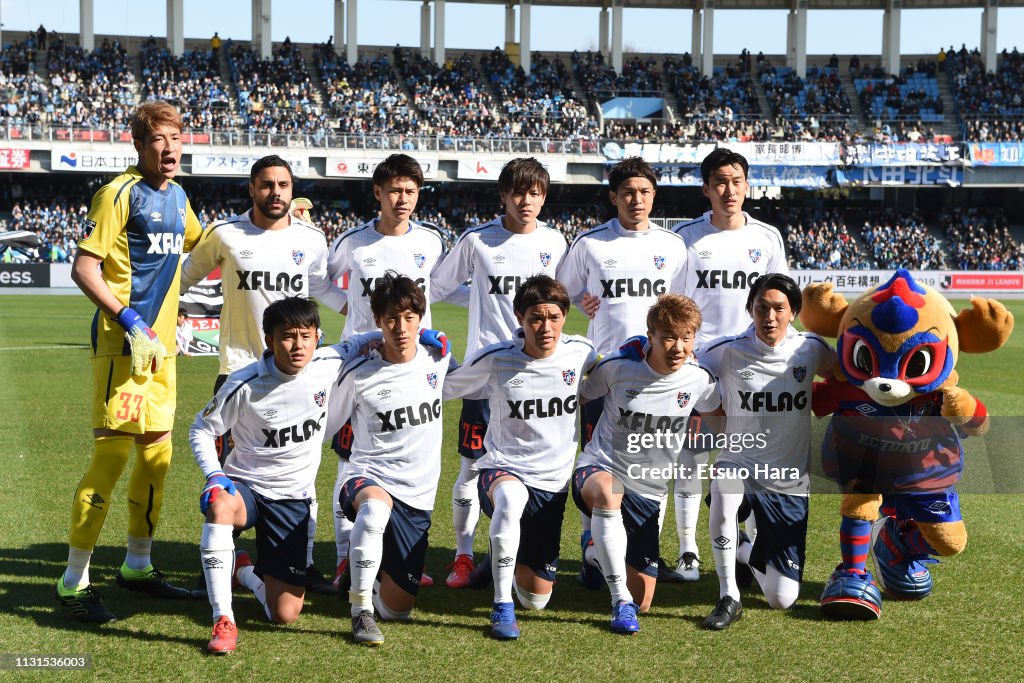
612,578
610,262
94,499
156,217
866,409
747,374
498,258
704,254
384,393
269,414
369,261
632,393
506,561
245,253
515,383
939,508
365,564
213,562
722,542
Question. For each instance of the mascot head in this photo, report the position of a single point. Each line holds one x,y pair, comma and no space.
902,338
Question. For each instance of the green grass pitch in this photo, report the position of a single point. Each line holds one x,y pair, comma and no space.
970,628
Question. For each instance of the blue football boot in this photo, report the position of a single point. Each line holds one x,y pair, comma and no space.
624,618
590,576
850,595
903,575
503,621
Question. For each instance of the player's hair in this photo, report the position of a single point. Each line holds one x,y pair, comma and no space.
292,312
780,282
540,289
633,167
398,293
719,158
674,313
269,161
152,114
522,175
398,166
182,311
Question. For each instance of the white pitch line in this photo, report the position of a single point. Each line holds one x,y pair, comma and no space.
40,348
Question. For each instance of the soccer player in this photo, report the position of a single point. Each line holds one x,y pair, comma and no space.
390,242
726,251
394,402
498,256
618,481
766,375
265,255
276,409
622,266
128,264
532,384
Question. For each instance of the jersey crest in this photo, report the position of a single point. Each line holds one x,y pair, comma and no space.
683,398
298,256
432,380
545,258
90,225
659,262
569,376
320,397
755,254
800,373
420,259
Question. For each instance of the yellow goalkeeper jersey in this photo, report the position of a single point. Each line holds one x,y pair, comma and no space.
140,234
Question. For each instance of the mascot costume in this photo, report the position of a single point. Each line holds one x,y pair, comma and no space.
894,441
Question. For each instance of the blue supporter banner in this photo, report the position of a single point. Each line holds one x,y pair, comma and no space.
952,176
633,108
996,153
903,154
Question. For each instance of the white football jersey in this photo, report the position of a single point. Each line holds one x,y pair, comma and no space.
766,392
720,267
257,268
366,255
627,269
277,422
395,410
534,430
497,261
640,402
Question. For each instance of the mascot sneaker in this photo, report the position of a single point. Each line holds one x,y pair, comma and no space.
903,576
851,595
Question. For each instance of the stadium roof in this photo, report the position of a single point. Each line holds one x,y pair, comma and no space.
753,4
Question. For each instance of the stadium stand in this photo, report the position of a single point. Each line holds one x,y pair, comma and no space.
980,239
819,240
89,89
901,241
191,82
913,94
811,108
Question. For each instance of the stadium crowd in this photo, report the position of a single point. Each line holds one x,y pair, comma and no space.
901,241
819,240
192,83
980,239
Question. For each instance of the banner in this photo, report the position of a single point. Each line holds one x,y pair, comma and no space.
114,160
14,158
946,281
205,336
787,153
902,154
203,302
240,164
363,167
24,275
807,177
490,169
997,153
633,108
658,153
953,176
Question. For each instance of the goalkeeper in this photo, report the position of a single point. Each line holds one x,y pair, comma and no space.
128,264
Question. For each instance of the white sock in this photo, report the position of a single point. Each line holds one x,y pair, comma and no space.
77,573
743,552
722,527
662,510
465,507
584,521
138,553
510,498
314,506
247,577
217,550
365,554
610,543
342,527
751,526
687,516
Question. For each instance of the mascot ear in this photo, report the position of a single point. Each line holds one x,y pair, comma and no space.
983,327
822,309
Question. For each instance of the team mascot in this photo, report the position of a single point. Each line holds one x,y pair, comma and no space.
894,439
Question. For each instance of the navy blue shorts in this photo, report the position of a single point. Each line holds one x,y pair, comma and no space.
540,526
341,442
405,536
639,516
476,413
781,539
281,534
933,507
590,413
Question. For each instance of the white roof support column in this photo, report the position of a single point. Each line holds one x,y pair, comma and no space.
510,23
602,32
617,36
989,26
261,28
695,35
707,50
891,37
352,31
339,26
176,27
525,7
439,32
425,28
791,39
85,25
800,38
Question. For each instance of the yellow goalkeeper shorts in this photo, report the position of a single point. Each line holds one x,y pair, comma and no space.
132,404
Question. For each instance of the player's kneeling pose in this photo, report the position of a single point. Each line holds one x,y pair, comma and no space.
394,401
765,374
532,385
623,473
